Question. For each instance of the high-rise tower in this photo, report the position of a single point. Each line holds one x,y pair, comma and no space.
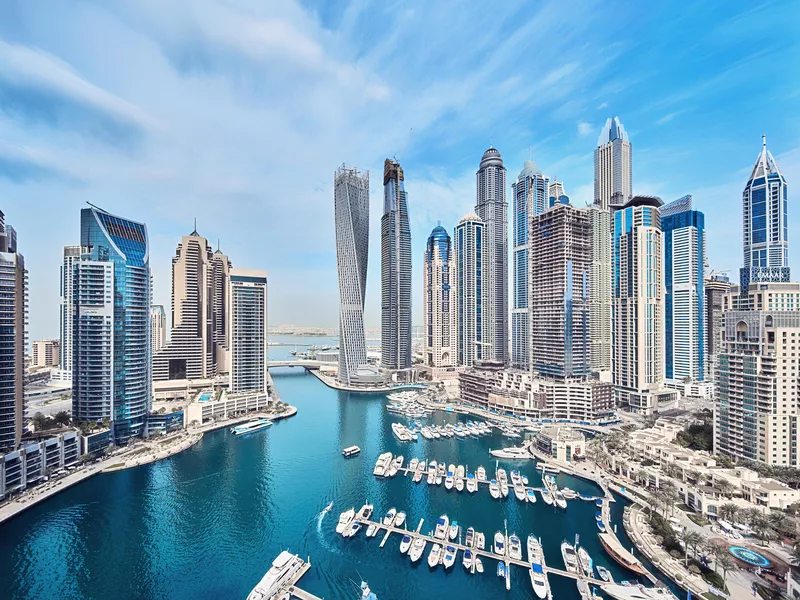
600,288
438,301
248,330
472,293
395,271
13,337
111,375
72,254
351,215
158,328
530,197
612,166
492,208
764,219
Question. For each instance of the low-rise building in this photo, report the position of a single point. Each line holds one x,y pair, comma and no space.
562,443
205,407
96,441
34,461
703,390
45,353
158,423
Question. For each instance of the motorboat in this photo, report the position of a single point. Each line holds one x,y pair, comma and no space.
601,526
547,496
344,520
499,543
530,495
405,543
534,549
570,557
514,547
381,464
417,548
637,592
388,518
354,528
538,580
442,526
400,519
586,562
504,489
328,508
583,589
419,472
412,466
450,553
501,475
604,573
467,560
283,570
494,489
448,481
569,494
524,480
395,466
459,483
481,474
432,473
453,531
472,484
365,512
480,540
501,569
451,469
435,556
515,477
561,502
469,537
441,470
519,492
460,472
478,564
372,530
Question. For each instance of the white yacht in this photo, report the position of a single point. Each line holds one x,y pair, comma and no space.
344,520
637,592
519,492
442,525
494,489
467,561
499,543
251,426
365,512
435,556
283,568
388,518
514,547
478,564
504,489
405,544
381,464
448,481
530,495
372,530
501,475
546,496
570,557
561,502
534,549
453,531
472,484
353,529
481,474
480,540
459,484
400,519
539,581
469,537
412,466
449,560
417,548
586,562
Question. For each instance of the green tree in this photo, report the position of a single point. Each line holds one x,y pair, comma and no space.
724,487
728,511
40,422
780,522
62,418
796,554
726,564
685,537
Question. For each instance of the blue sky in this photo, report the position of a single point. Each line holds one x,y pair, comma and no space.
238,113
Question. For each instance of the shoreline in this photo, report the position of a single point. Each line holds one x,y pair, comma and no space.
335,385
116,463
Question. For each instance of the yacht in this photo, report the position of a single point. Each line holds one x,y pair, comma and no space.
604,573
344,520
460,481
514,547
412,466
499,543
251,426
530,495
405,544
469,537
449,557
365,512
372,530
538,580
637,592
515,477
435,556
519,492
570,557
586,562
283,569
448,481
467,561
442,526
561,502
481,474
417,548
546,496
501,569
453,531
432,473
382,463
501,475
478,564
388,518
534,549
354,528
400,519
480,540
583,589
504,489
472,484
419,472
394,466
494,489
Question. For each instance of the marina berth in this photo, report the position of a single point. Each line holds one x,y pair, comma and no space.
281,574
251,426
620,554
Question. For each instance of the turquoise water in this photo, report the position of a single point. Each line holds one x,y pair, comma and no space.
208,522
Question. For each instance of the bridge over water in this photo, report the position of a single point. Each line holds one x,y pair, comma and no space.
306,363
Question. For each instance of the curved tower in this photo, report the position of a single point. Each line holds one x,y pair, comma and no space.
351,217
438,275
491,208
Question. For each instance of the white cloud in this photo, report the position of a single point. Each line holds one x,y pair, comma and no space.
584,128
602,105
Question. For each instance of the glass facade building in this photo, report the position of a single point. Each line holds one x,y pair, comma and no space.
472,294
248,329
111,324
438,306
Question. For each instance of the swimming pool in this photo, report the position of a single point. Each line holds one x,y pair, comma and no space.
751,557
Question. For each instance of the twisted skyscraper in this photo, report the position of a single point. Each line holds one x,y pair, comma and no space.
395,271
351,216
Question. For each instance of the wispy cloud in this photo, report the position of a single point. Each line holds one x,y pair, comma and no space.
584,128
27,165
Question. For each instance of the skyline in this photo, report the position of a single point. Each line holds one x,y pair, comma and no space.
121,119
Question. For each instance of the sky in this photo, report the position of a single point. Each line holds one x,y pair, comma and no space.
237,113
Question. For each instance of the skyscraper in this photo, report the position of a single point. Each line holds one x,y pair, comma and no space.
684,300
439,311
158,328
111,376
351,216
715,288
530,197
557,194
492,209
395,271
13,337
198,346
600,288
248,330
72,254
638,303
764,219
560,262
613,166
472,293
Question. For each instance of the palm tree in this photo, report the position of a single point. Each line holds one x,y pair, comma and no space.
728,511
695,539
726,564
761,528
751,515
796,554
779,521
685,537
725,488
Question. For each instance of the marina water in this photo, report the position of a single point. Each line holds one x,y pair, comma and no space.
208,522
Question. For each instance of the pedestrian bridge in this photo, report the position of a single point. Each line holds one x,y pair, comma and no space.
296,362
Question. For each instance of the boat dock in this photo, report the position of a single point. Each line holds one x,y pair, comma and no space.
390,529
295,591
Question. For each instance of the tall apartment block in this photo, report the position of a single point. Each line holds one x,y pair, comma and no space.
13,337
557,194
248,330
72,254
715,288
530,196
638,303
600,289
764,223
395,271
438,302
560,263
472,293
158,328
45,353
613,166
111,376
491,207
199,346
351,217
684,299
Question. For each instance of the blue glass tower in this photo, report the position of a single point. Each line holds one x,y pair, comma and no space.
684,297
438,306
111,322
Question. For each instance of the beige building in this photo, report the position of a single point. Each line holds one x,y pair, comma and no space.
46,353
205,407
562,443
438,302
158,328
